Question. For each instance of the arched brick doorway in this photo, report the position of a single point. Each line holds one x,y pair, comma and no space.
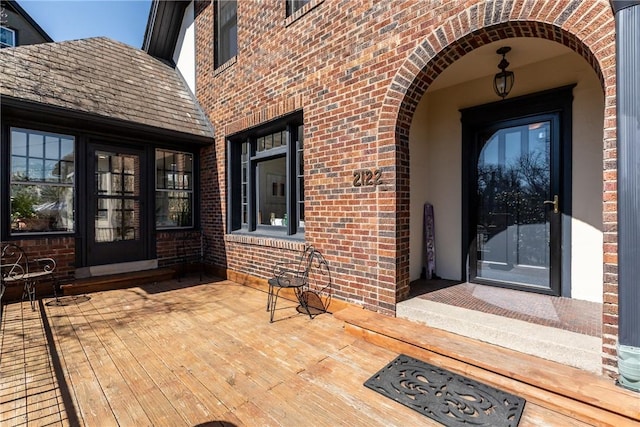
460,35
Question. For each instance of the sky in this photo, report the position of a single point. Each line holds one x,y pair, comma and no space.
122,20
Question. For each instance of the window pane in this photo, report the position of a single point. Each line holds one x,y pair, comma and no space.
18,169
52,147
66,149
67,171
47,205
103,162
130,185
128,164
278,139
300,175
227,46
161,177
173,209
294,5
106,221
116,174
301,136
18,143
130,224
116,220
36,145
38,208
174,171
7,37
35,170
272,203
51,171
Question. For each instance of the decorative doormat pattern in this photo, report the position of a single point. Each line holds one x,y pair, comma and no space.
443,396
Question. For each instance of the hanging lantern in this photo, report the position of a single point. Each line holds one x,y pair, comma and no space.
503,81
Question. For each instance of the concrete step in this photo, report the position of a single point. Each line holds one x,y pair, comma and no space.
566,347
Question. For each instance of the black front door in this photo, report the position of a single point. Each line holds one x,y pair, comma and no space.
516,194
516,215
116,212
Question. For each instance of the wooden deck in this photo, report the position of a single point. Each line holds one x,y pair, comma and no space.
183,353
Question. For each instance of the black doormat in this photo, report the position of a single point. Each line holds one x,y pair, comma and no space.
443,396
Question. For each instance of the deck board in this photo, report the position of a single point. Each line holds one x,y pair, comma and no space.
115,366
89,399
187,354
182,391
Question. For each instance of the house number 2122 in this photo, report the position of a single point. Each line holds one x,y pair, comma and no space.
367,177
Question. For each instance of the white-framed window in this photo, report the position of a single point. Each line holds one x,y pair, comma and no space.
174,189
7,37
266,179
226,27
42,182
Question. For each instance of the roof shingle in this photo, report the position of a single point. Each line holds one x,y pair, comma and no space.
103,77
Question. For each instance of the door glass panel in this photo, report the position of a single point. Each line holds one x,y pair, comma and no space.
272,202
118,202
513,229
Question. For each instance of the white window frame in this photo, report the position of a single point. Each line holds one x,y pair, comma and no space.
13,37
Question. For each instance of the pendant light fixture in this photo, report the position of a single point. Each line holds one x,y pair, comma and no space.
503,81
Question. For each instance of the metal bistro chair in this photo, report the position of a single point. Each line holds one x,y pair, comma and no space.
309,278
15,268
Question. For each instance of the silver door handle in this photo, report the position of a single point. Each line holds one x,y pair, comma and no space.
553,202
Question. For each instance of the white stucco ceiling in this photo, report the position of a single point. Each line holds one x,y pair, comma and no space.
484,61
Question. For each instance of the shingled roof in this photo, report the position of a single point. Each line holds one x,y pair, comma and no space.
102,77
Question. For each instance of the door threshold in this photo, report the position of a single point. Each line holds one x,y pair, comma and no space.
122,267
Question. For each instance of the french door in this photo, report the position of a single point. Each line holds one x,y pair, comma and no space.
116,215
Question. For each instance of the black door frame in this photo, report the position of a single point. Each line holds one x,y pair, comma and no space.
475,119
124,250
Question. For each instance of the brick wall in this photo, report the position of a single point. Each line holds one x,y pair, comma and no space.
176,246
358,70
61,249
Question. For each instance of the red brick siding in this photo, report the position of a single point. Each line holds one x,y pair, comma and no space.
61,249
358,69
263,254
173,246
